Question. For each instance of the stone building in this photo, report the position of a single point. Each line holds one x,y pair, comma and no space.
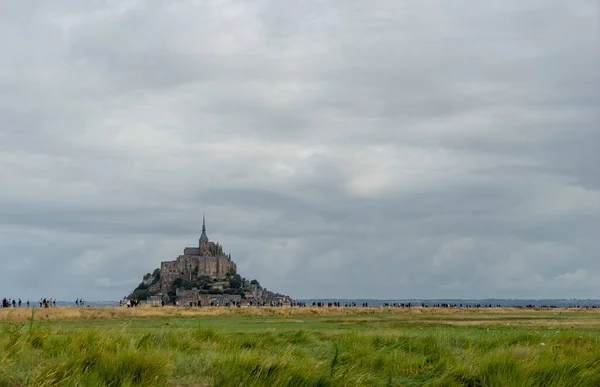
186,296
207,259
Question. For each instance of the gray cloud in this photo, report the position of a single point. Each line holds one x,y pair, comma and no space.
338,150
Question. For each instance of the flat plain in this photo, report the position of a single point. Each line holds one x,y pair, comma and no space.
299,347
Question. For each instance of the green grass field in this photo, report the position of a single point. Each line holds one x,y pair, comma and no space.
305,348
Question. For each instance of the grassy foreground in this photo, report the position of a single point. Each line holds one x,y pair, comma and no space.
299,347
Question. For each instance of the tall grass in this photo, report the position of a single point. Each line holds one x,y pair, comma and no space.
42,353
433,315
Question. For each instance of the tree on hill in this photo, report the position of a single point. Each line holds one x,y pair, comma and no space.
235,281
148,287
255,282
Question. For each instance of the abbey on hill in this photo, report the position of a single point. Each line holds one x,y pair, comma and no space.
202,275
205,260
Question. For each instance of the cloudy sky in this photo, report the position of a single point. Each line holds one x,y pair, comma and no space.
380,149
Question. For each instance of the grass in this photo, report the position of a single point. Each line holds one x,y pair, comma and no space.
299,347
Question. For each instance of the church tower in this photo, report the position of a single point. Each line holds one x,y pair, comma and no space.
203,237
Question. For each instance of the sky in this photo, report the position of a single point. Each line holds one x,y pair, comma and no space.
339,149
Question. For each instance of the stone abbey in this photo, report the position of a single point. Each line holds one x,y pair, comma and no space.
207,259
202,275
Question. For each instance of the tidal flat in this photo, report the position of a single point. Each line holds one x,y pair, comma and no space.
299,347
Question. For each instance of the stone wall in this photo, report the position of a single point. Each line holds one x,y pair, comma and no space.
207,266
153,301
191,251
186,296
190,267
169,271
207,299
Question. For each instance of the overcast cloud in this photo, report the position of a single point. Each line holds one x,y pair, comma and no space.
380,149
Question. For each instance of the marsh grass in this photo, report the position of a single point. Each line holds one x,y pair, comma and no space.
512,316
387,349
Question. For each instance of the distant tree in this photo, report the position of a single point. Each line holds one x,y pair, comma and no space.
189,285
141,286
140,295
235,281
255,282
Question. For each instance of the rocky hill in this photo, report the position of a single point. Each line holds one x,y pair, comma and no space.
203,274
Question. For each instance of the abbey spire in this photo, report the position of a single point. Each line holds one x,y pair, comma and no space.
203,237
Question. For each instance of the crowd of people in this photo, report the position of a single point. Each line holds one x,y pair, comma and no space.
442,305
321,304
51,303
17,303
42,303
12,303
130,303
